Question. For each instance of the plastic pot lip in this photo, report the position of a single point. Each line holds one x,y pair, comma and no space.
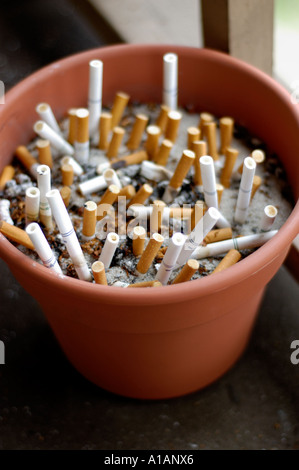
179,292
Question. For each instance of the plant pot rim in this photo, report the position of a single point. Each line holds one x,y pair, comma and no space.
244,269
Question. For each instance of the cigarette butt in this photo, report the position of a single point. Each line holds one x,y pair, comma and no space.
196,214
115,142
146,284
44,152
218,235
163,117
257,181
128,191
163,152
204,118
6,175
108,198
89,219
231,156
16,234
120,102
187,271
25,157
180,212
210,129
142,194
187,159
193,133
219,189
152,141
139,235
98,270
137,131
66,195
226,125
231,258
105,126
67,172
132,159
32,203
149,253
172,127
82,126
156,216
257,155
72,125
199,147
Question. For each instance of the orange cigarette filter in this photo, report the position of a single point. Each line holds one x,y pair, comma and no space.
196,214
199,147
187,271
193,133
150,253
219,189
139,235
257,181
25,157
115,142
142,194
231,258
152,140
119,105
146,284
16,234
98,271
210,130
67,172
133,158
173,124
163,152
72,125
6,175
128,191
184,165
82,127
218,235
44,152
204,118
226,125
108,198
157,216
231,156
180,212
65,193
105,126
137,131
89,219
163,117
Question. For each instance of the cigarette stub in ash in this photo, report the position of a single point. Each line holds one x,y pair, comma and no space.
72,124
128,192
226,125
46,114
218,235
257,182
269,215
6,175
42,247
172,126
32,203
67,160
231,156
65,193
146,284
119,105
209,181
115,142
149,253
98,270
204,118
110,245
67,172
152,142
44,186
105,127
196,214
170,258
156,216
111,177
137,131
162,117
139,235
245,190
93,185
199,147
193,134
186,272
163,152
143,193
182,168
210,131
89,220
44,152
109,197
16,234
170,80
81,143
257,155
231,258
95,95
27,159
219,189
46,132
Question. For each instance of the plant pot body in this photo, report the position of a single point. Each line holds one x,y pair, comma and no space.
165,342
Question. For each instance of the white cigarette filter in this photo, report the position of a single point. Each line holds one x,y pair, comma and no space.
109,248
170,80
111,178
202,228
81,143
93,185
32,202
209,180
170,258
268,218
95,95
4,211
44,186
67,160
46,114
89,220
42,247
244,194
59,143
240,243
68,234
154,172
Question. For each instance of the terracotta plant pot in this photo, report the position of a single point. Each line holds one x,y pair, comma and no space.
173,340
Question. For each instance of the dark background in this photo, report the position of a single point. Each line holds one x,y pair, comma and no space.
46,404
